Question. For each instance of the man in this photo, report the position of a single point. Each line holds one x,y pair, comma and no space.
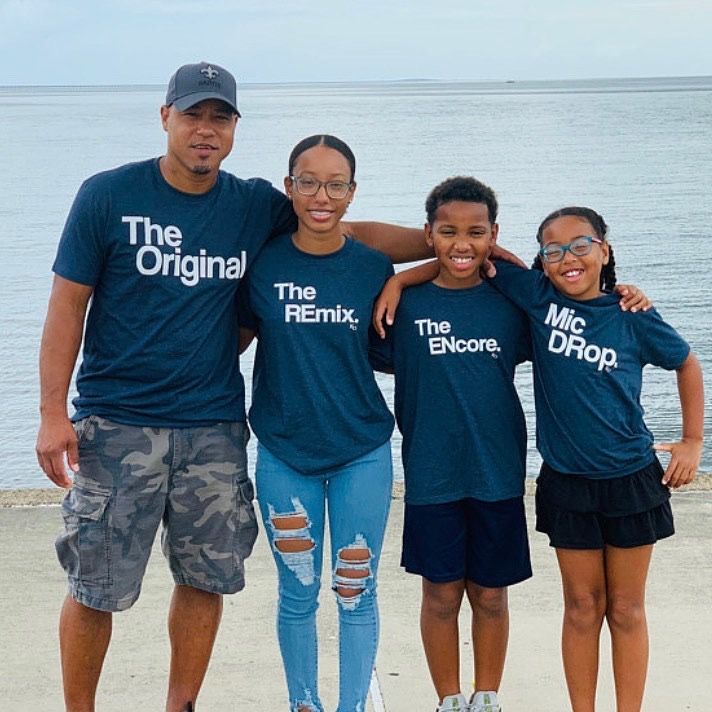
159,434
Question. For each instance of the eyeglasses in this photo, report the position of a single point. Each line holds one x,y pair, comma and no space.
578,247
335,189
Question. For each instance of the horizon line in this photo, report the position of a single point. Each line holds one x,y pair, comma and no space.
405,80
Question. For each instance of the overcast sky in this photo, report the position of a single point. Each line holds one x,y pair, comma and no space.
143,41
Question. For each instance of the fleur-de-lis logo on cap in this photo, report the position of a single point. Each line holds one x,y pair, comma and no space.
209,72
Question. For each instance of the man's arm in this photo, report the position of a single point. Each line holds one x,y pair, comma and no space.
61,339
401,244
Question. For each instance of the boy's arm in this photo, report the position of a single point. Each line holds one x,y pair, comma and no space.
632,298
387,302
390,295
686,453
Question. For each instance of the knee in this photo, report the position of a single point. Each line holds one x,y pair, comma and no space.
624,613
585,609
489,602
442,600
353,574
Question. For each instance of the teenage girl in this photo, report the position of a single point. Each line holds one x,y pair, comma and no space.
322,423
602,495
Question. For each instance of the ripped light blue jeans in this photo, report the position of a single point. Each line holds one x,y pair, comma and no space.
294,507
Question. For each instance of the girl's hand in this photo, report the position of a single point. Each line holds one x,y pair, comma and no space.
386,305
632,298
684,461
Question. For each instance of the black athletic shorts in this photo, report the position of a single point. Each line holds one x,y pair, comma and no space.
483,542
582,513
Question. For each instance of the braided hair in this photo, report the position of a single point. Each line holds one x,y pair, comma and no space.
596,221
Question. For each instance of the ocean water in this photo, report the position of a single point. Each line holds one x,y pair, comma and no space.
637,150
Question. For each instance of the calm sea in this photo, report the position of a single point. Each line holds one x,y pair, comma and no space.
638,150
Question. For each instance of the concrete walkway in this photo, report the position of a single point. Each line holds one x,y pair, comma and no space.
246,670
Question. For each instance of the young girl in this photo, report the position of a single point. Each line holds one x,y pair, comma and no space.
602,496
322,423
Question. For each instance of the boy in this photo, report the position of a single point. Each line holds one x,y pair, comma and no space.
453,350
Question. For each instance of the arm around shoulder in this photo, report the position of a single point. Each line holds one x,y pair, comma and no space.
390,295
401,244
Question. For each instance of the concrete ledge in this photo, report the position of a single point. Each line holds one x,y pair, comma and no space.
54,495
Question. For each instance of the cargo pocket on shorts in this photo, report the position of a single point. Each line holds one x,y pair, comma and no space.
84,549
245,518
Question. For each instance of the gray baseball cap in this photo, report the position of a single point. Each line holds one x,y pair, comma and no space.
193,83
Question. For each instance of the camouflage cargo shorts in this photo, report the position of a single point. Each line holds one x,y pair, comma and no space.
130,479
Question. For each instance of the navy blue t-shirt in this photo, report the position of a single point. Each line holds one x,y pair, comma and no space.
160,347
453,353
315,401
588,371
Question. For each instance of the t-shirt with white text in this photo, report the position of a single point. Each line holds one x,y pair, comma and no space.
160,347
453,353
588,368
315,401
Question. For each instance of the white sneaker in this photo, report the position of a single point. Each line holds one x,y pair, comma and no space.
484,702
453,703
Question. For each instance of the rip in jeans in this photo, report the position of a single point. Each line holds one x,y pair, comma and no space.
305,705
352,572
291,539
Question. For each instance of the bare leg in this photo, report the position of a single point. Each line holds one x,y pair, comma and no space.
626,574
584,582
193,623
490,634
84,635
439,630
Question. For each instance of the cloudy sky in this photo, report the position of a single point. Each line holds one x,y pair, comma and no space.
142,41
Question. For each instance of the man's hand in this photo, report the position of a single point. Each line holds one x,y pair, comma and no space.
57,447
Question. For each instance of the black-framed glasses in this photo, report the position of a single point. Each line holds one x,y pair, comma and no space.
306,185
578,247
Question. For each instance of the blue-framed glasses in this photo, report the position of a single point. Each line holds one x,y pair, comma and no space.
578,247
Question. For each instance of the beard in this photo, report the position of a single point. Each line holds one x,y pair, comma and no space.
200,170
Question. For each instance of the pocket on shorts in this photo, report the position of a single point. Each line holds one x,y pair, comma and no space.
84,549
245,518
81,428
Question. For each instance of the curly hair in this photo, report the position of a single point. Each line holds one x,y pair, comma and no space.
596,221
464,188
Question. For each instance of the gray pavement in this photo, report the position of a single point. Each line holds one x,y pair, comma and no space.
246,669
